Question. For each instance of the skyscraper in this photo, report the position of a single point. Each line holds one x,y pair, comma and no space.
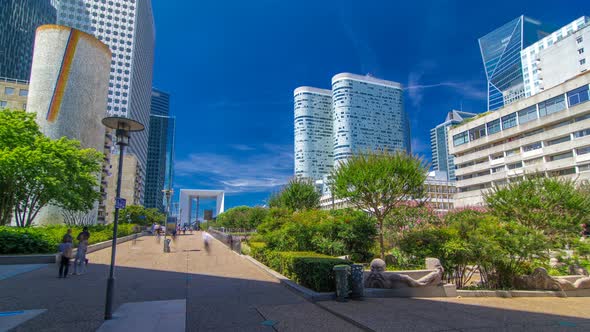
368,114
127,27
313,132
159,155
500,52
19,20
441,159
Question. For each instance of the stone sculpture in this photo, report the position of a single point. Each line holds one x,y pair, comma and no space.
540,279
378,278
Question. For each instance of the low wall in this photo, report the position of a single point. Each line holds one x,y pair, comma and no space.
447,290
53,258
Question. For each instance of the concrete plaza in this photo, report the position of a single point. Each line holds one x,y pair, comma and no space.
225,292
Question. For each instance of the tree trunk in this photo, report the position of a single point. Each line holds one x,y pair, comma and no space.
381,244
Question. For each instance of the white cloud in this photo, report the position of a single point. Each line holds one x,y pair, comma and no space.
418,146
265,168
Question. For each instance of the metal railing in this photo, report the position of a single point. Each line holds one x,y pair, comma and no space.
13,80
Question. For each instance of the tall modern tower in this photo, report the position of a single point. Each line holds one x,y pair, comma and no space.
160,150
127,27
439,136
368,114
20,19
313,132
500,51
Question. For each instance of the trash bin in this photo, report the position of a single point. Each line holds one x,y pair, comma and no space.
341,274
167,245
357,282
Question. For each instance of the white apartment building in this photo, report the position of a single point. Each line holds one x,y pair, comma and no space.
127,27
313,132
557,57
548,132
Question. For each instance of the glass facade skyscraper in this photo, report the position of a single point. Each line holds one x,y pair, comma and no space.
439,136
500,52
127,27
368,114
20,19
160,150
313,132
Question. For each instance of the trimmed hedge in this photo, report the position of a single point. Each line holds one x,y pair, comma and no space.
307,268
45,240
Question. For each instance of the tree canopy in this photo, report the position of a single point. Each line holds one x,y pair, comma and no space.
36,171
378,181
298,194
137,214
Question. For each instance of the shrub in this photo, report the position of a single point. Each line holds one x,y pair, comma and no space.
242,217
45,239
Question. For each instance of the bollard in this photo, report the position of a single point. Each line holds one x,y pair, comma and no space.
357,282
341,273
167,245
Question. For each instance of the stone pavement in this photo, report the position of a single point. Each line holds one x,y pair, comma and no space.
467,314
223,291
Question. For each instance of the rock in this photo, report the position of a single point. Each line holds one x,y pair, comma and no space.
577,270
582,283
390,260
539,279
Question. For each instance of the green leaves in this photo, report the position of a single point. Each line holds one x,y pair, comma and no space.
244,217
36,171
137,214
298,194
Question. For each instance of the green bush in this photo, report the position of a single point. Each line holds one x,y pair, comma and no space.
309,269
242,217
45,239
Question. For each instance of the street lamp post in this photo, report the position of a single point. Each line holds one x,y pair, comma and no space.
168,192
123,127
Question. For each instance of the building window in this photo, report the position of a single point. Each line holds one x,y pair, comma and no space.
582,133
533,146
515,165
560,156
509,121
8,91
559,140
579,40
23,92
534,161
584,168
577,96
527,114
512,152
552,105
461,138
3,103
498,169
477,133
493,126
584,150
580,50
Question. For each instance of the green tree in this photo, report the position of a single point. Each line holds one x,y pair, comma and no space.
17,129
378,182
56,172
242,217
298,194
137,214
552,205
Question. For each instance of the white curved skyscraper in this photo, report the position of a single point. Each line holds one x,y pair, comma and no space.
313,132
368,114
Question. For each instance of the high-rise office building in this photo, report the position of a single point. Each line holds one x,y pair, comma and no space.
127,27
313,132
500,52
13,93
368,114
19,20
557,58
441,159
160,150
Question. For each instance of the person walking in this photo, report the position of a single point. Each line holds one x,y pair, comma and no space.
68,236
80,260
65,248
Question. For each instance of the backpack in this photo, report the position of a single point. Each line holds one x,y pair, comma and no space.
68,252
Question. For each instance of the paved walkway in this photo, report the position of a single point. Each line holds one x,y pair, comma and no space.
223,291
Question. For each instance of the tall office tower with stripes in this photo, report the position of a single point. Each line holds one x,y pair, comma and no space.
127,27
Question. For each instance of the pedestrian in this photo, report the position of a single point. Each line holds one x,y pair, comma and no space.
206,242
80,260
68,236
65,248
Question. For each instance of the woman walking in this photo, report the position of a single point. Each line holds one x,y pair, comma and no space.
65,248
80,261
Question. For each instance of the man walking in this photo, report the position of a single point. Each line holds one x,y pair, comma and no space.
65,248
79,262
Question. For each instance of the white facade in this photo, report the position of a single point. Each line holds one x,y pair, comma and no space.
368,114
557,57
127,27
68,90
313,132
186,202
547,133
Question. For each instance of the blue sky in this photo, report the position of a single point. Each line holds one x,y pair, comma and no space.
231,67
